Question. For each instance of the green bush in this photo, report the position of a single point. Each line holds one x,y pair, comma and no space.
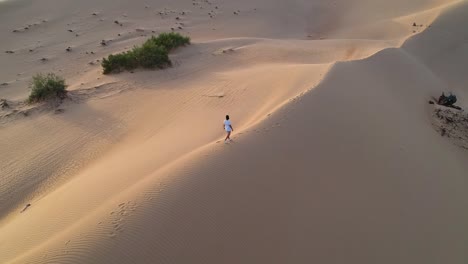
152,54
170,41
120,62
47,86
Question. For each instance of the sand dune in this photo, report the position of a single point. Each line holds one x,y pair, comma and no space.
334,156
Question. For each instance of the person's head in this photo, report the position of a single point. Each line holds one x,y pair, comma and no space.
227,117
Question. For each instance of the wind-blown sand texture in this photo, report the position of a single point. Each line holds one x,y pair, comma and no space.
335,158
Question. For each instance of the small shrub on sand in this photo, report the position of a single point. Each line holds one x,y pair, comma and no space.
48,86
152,54
170,41
120,62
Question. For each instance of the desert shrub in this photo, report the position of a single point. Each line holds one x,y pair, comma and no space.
170,41
120,62
152,54
48,86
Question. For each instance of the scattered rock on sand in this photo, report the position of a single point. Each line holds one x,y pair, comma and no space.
70,30
452,123
228,50
443,131
3,104
44,59
116,22
9,52
68,49
103,43
414,24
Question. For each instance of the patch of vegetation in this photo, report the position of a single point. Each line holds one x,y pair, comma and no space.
154,53
170,41
151,56
48,86
120,62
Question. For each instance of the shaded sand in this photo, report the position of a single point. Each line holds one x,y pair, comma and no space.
334,158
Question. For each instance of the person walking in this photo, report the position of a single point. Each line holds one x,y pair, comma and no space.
228,127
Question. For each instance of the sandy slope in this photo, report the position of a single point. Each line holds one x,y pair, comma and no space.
345,168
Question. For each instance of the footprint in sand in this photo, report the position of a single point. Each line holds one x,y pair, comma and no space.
119,215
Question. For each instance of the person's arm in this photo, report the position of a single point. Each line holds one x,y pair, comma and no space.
232,129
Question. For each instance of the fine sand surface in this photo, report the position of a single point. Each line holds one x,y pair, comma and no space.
334,159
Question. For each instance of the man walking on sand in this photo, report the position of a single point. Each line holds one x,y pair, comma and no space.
228,127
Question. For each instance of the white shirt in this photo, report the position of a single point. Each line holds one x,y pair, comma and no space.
227,125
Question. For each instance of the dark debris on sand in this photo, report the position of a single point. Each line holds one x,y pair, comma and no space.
4,104
25,208
451,123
